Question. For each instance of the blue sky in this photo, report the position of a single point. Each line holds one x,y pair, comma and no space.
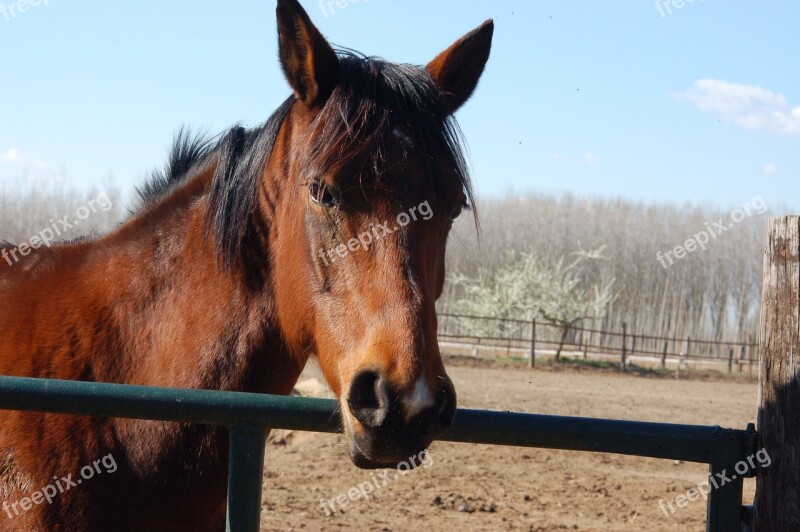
698,103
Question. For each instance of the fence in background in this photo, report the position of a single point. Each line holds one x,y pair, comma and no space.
526,339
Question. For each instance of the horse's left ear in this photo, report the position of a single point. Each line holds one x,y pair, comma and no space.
309,63
456,71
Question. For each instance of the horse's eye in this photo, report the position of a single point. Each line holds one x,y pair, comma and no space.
321,195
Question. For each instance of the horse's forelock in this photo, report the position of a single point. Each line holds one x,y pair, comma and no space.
375,103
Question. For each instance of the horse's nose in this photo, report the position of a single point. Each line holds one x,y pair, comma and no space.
376,404
370,399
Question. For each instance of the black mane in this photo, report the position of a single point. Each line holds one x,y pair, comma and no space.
187,151
373,99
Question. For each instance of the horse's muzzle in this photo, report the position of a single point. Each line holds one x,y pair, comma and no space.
384,430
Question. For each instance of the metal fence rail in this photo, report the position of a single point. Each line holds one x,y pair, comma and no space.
249,415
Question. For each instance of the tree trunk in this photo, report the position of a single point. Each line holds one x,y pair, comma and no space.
564,331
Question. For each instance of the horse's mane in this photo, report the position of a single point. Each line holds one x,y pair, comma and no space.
188,149
373,100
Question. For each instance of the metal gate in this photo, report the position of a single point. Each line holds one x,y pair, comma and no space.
248,416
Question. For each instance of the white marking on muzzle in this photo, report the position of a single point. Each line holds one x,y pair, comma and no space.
418,400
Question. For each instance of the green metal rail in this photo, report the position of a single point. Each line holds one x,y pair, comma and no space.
248,417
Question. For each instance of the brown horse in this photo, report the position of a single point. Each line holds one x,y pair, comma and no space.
321,233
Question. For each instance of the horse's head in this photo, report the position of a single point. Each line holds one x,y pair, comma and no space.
377,178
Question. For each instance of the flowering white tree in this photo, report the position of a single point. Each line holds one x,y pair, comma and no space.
529,287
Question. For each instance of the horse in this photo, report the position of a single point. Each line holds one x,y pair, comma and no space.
320,233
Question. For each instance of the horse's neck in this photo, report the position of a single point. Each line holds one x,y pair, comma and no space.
187,320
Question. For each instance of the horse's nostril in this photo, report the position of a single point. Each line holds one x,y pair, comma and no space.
369,399
447,411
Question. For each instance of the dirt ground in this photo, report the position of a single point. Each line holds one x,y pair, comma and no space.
478,487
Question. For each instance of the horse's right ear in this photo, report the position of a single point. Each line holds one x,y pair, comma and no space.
309,63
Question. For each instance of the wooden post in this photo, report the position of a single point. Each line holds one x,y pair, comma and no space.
730,360
533,343
742,354
623,364
664,355
777,500
475,348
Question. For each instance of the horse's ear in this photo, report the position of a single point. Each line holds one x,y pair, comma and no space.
456,71
309,63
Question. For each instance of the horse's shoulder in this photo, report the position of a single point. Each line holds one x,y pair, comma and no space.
14,265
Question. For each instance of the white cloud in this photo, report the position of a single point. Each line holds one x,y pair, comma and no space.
14,164
590,159
11,155
747,106
770,169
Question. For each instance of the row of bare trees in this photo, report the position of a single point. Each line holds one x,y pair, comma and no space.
27,211
711,292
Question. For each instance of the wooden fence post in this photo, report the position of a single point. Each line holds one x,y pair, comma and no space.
664,355
623,364
475,353
730,360
533,343
742,354
777,500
